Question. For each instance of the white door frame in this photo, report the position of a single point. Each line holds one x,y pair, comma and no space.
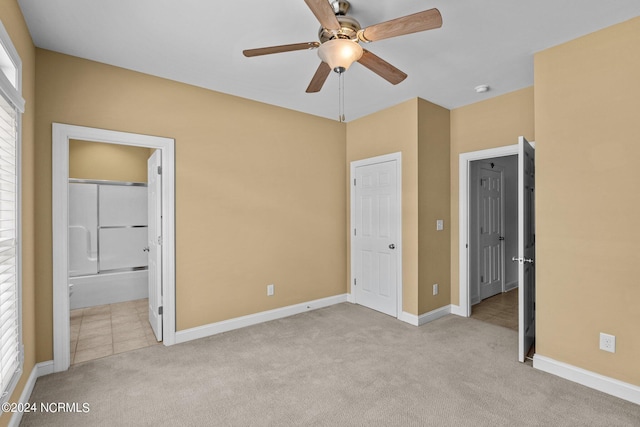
397,157
463,215
60,219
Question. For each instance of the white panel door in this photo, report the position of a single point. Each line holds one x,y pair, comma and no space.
154,212
490,231
375,237
526,248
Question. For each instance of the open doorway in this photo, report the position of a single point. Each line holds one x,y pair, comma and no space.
109,274
525,258
62,136
493,240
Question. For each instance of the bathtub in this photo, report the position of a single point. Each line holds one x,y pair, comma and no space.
108,288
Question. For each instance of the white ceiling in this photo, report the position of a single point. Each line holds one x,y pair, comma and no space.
200,42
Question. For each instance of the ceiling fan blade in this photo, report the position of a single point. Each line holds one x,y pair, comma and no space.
279,49
382,68
319,78
324,13
421,21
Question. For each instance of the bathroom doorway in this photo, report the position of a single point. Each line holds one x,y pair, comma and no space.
109,275
63,137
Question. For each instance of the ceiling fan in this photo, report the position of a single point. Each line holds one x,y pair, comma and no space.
340,36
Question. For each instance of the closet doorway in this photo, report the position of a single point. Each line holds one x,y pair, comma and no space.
113,286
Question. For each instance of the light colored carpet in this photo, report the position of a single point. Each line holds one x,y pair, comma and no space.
344,365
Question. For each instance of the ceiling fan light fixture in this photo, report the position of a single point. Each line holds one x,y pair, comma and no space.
340,53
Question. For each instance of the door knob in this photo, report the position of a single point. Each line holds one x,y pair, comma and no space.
392,246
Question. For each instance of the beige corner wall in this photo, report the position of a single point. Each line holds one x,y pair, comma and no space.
260,194
111,162
14,23
390,131
588,203
434,247
496,122
420,131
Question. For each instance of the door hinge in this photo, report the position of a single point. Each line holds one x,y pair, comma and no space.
160,310
159,170
355,282
354,182
355,232
160,240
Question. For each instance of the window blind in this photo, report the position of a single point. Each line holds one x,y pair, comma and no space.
9,291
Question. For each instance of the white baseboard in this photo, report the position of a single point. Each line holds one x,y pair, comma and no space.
458,311
434,314
254,319
590,379
414,320
511,285
409,318
39,370
351,298
45,368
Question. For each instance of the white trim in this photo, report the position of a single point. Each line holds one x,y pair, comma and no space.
397,157
61,134
590,379
464,307
457,310
351,298
424,318
45,368
511,285
409,318
434,314
256,318
39,370
12,91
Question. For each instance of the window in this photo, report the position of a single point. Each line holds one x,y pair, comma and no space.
11,106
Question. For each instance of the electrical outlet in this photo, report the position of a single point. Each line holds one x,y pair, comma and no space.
435,289
607,342
270,290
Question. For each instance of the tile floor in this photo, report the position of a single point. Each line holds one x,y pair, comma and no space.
110,329
501,310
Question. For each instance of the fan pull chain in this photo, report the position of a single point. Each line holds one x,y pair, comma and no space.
341,97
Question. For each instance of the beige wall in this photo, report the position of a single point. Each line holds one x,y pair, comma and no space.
389,131
434,247
111,162
587,110
496,122
13,21
261,189
260,194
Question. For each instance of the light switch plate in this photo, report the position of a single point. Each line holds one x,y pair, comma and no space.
439,225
